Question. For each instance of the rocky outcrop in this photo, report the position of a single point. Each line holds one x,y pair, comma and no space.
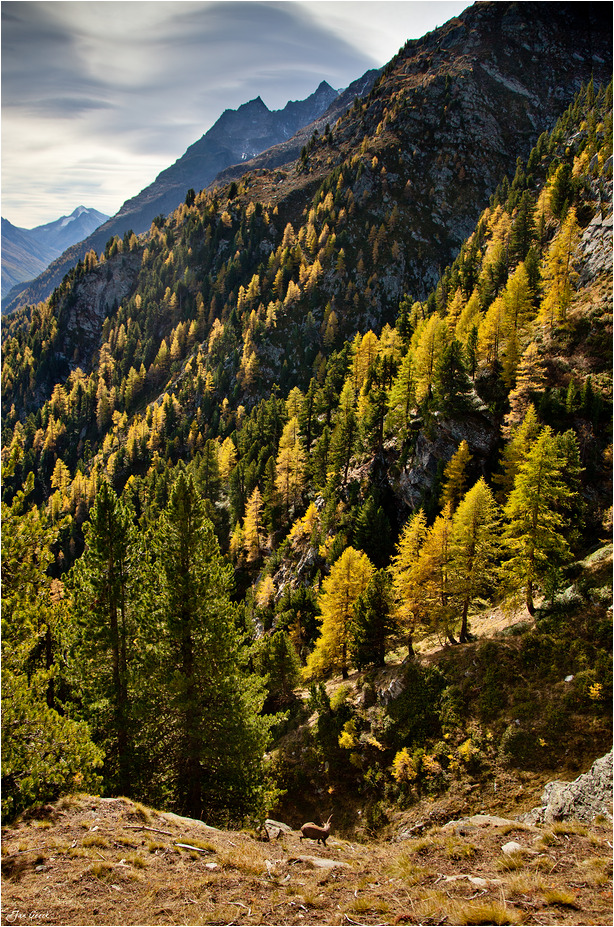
437,445
584,799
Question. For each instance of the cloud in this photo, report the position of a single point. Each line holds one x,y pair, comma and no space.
123,88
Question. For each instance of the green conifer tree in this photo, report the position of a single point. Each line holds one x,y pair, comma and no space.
373,625
107,592
214,737
535,524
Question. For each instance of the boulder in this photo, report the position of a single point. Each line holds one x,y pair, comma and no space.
584,799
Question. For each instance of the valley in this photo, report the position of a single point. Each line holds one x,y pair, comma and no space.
307,510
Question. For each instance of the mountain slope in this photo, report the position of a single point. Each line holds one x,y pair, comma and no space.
244,341
27,252
448,118
118,862
237,135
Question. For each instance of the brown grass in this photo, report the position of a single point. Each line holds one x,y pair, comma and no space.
122,873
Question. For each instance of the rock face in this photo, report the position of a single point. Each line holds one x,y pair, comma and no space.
583,799
437,446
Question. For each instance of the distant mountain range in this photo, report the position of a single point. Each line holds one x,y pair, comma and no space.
237,137
26,253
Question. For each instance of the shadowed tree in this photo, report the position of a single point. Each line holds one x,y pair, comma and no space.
214,735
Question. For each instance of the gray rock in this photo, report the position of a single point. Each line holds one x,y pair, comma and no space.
511,848
587,797
284,828
482,820
319,862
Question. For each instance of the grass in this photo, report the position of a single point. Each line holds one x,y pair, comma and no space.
597,870
459,849
153,845
103,871
524,883
558,896
248,859
369,904
426,880
96,840
486,912
137,861
547,839
511,863
143,813
565,828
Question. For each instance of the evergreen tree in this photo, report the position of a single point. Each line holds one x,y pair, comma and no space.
373,625
108,596
214,738
277,661
452,385
372,532
402,399
523,228
344,435
534,540
45,752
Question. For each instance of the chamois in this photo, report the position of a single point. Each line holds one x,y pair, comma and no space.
316,833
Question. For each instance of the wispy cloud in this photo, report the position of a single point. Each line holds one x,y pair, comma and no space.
122,88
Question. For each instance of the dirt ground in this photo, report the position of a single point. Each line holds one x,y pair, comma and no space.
96,861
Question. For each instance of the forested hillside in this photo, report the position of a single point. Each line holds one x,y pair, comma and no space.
240,456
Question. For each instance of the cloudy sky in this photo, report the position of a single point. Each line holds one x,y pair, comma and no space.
99,96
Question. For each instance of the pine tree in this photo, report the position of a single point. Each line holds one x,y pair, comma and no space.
429,345
348,578
530,381
474,546
373,624
432,577
290,465
277,661
402,399
514,453
451,384
344,435
108,597
534,517
45,752
253,527
213,737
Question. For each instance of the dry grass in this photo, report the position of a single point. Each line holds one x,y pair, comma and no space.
123,873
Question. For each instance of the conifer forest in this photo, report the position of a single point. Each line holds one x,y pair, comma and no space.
265,469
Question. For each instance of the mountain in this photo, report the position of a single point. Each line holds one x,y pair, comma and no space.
451,114
237,135
26,253
311,434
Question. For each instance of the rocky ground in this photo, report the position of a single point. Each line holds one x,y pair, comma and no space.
90,860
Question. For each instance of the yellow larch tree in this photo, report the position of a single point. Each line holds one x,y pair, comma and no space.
348,578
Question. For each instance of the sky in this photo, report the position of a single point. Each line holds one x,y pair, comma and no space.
99,96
